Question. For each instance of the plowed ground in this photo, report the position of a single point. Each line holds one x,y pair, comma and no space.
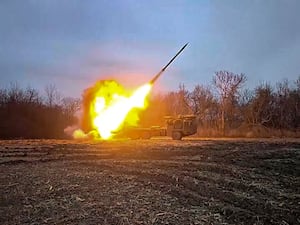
156,181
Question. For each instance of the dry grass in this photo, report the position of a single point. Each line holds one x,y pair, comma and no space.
195,181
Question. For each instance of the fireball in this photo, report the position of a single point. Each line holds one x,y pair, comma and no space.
110,106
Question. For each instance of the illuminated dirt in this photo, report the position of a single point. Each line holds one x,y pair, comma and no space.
150,182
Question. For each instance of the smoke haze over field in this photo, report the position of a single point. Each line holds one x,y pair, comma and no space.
73,43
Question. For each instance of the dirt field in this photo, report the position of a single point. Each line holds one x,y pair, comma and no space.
150,182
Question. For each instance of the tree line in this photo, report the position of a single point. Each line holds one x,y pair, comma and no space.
226,108
26,113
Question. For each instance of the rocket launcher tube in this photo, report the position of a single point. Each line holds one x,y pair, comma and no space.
165,67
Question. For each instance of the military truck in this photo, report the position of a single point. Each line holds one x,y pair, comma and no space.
177,127
181,126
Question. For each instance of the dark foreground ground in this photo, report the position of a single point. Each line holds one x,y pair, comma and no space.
150,182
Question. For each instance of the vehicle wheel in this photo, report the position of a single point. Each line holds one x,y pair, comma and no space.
176,135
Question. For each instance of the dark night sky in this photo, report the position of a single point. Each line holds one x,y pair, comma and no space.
74,43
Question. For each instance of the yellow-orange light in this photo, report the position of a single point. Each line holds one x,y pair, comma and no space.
110,111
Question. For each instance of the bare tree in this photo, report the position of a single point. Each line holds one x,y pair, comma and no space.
203,104
70,106
297,82
282,104
183,103
287,112
3,97
294,103
228,85
53,97
15,93
32,96
245,105
200,98
177,103
260,108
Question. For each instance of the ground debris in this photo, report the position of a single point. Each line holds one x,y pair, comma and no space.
150,182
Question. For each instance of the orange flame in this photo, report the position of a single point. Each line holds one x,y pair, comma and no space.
111,107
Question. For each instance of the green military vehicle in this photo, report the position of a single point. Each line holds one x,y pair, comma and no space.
177,127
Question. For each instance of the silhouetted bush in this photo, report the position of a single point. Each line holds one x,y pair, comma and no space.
24,114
